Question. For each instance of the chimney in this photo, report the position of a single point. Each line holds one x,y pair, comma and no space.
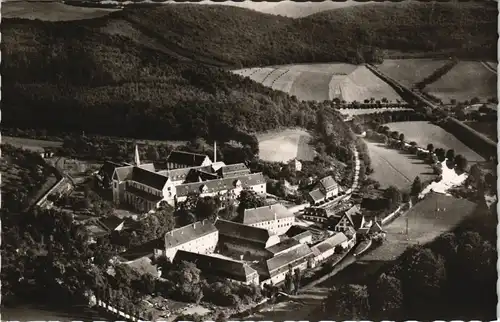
215,151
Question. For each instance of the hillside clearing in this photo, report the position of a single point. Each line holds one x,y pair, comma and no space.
396,168
285,145
468,79
424,133
30,144
410,71
50,11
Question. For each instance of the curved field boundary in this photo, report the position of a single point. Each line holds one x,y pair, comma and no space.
285,82
265,79
363,84
261,74
489,67
410,71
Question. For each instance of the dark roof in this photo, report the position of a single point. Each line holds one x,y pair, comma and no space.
149,178
182,173
284,259
266,213
186,158
295,230
124,173
328,183
240,231
234,170
307,233
143,250
354,217
143,194
282,246
220,184
223,267
331,242
188,233
111,222
197,175
148,166
108,168
316,195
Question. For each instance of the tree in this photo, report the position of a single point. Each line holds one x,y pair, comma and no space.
207,208
460,163
450,155
386,296
430,147
401,137
348,302
416,187
152,153
393,195
249,199
289,280
297,279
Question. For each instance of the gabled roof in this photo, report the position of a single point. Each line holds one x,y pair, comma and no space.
111,222
143,194
182,173
244,232
197,175
148,178
216,265
217,165
286,258
328,183
109,167
316,195
124,173
148,166
234,170
305,234
188,233
295,230
331,242
283,246
375,228
352,214
266,213
186,158
217,185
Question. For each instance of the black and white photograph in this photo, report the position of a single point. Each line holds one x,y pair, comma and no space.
248,161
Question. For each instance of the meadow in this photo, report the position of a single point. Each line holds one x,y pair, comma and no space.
424,133
396,168
361,111
30,144
285,145
468,79
410,71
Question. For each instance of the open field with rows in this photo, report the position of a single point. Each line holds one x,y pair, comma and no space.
285,145
468,79
396,168
360,111
410,71
320,82
424,133
429,218
50,11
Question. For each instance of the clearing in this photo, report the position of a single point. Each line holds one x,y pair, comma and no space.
360,111
410,71
319,82
50,11
285,145
468,79
424,133
30,144
396,168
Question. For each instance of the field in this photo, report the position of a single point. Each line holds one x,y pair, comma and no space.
410,71
487,128
319,82
396,168
428,219
468,79
30,144
285,145
50,11
424,133
360,111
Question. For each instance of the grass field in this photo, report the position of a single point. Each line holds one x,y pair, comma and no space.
468,79
489,129
30,144
285,145
318,82
359,111
424,133
410,71
50,11
429,218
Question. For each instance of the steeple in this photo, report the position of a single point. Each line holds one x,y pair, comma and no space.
136,156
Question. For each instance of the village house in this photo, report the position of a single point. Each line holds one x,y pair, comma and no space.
199,237
113,223
302,235
183,159
295,165
350,218
244,241
220,266
275,218
327,188
317,214
329,246
283,247
233,170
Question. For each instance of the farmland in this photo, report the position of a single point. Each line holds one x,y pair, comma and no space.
360,111
468,79
487,128
396,168
423,133
410,71
30,144
319,82
285,145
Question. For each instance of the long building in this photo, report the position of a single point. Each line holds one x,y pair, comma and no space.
275,218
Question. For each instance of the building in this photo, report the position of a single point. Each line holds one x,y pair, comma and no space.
113,223
327,188
233,170
295,165
220,266
275,218
276,268
350,218
302,235
316,214
183,159
329,246
105,174
283,247
199,237
244,241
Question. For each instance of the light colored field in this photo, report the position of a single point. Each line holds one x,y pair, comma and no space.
424,133
468,79
425,223
396,168
319,82
30,144
410,71
285,145
50,11
359,111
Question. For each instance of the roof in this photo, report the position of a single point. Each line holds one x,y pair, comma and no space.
316,194
109,167
188,233
111,222
353,216
282,246
149,178
328,182
123,173
266,213
197,175
143,194
305,234
284,259
375,227
217,185
295,230
234,170
240,231
186,158
143,266
95,230
224,267
331,242
148,166
182,173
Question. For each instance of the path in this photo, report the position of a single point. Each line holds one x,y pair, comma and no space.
488,67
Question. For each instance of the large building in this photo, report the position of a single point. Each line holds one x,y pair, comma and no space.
317,214
327,188
200,237
183,159
275,218
216,265
328,247
302,235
